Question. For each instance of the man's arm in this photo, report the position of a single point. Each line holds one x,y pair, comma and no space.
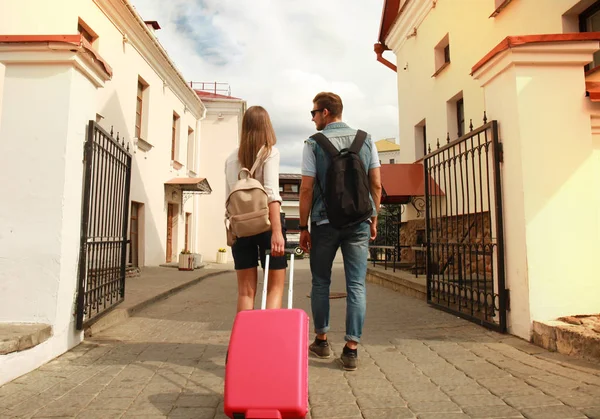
375,188
306,198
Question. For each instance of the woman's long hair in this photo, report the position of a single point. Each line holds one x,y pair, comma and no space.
257,131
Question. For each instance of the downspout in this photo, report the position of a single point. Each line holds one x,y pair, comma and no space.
379,50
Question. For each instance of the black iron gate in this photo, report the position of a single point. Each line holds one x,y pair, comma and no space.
105,211
464,230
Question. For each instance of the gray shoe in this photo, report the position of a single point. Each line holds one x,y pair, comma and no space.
320,349
349,360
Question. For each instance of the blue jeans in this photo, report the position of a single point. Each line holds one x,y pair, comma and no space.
354,242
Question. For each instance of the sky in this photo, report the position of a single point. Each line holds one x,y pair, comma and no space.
279,54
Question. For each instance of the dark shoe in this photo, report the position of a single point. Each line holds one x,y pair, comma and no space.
320,348
349,359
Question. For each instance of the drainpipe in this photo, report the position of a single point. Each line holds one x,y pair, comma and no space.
379,49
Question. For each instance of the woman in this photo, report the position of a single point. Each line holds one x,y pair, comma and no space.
257,132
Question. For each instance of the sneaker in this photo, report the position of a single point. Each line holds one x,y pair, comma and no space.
349,359
320,348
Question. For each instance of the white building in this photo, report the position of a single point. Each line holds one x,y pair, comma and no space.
389,151
78,74
531,76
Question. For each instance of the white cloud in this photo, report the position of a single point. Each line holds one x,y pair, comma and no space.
279,54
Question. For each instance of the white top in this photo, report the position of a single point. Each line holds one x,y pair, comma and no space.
268,174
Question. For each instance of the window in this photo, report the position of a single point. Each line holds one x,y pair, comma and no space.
442,55
460,117
455,109
392,161
174,135
139,108
85,31
191,149
420,140
589,21
290,187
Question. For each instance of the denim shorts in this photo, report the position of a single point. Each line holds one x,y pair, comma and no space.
247,250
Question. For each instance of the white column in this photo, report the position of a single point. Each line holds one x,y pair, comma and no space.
537,94
47,100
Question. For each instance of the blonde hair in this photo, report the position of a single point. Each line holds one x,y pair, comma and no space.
257,131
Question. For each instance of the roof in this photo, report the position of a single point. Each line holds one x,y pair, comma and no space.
191,184
77,40
388,17
402,181
208,95
385,145
515,41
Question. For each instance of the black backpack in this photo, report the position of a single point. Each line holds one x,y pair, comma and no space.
347,192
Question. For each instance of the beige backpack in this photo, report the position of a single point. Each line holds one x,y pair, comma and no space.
247,209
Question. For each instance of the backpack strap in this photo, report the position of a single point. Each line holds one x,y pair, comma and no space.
358,142
259,160
324,142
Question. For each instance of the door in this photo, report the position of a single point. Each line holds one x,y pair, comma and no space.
134,258
170,215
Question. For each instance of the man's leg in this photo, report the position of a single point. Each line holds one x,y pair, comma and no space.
355,249
325,242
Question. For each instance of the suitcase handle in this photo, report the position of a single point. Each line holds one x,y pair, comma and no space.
263,304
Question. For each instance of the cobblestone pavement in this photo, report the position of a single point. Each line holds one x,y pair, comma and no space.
415,361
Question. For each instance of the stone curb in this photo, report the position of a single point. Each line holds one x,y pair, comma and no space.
566,339
24,336
117,315
399,285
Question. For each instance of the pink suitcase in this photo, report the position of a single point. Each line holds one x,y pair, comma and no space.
266,376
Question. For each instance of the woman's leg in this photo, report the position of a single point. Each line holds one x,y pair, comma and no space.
246,288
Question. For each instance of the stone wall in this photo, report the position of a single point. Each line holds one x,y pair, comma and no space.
464,242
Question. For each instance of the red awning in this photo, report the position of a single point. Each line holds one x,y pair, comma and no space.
402,181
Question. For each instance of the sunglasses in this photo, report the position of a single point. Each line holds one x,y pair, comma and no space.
314,112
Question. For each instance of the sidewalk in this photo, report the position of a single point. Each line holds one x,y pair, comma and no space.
168,361
154,284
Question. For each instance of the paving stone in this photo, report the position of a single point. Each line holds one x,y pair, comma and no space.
478,400
433,407
415,361
379,400
519,402
422,396
192,413
333,411
552,412
387,413
195,400
492,412
100,414
332,397
592,412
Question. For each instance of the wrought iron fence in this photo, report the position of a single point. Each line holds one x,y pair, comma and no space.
464,229
105,211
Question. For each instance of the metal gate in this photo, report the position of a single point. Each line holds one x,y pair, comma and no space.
103,248
464,230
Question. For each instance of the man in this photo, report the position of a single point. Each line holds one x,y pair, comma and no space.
323,240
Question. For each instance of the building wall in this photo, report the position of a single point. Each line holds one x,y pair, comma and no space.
423,98
219,138
386,157
541,185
